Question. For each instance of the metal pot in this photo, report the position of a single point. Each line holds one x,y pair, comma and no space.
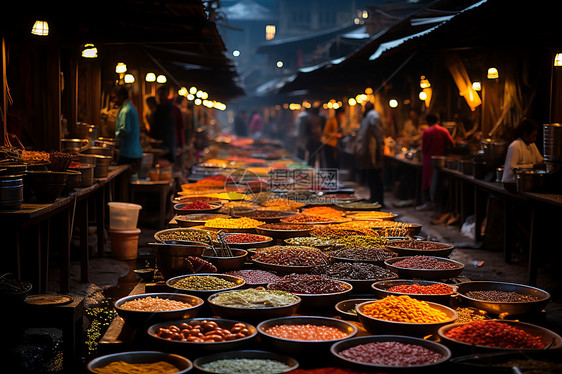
75,146
86,131
103,151
171,259
466,167
499,174
553,142
530,180
11,192
87,159
494,152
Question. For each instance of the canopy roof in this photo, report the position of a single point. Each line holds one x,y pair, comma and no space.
489,25
178,35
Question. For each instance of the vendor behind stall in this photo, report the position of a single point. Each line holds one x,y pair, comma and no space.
523,152
127,129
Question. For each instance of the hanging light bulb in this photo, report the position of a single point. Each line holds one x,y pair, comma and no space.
161,79
150,77
493,73
182,91
193,90
40,28
129,78
89,51
120,68
558,59
393,103
476,86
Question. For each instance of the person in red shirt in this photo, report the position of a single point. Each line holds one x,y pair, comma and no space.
435,141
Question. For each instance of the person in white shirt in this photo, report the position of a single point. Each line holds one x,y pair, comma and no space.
523,152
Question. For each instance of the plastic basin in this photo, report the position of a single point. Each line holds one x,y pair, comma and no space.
123,216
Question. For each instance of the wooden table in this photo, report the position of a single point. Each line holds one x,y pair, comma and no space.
33,222
162,188
414,170
543,207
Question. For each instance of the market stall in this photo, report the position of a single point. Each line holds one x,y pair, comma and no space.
257,268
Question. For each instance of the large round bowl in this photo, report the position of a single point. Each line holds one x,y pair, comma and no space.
551,339
259,241
303,347
498,307
180,208
184,235
337,349
283,269
381,289
429,274
325,300
141,357
191,347
229,263
252,313
346,308
140,318
172,282
266,216
197,219
415,248
290,362
378,326
173,259
298,230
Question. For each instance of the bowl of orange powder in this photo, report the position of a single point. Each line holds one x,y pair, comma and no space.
404,315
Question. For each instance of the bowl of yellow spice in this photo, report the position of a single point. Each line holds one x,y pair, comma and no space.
404,315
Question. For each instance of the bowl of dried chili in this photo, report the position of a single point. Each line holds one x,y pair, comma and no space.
494,335
197,206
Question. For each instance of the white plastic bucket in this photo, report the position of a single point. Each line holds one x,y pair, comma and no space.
123,216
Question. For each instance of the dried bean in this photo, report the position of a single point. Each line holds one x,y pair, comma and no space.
425,262
391,354
354,271
495,334
501,296
307,284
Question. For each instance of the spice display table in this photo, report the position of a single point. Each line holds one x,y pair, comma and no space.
542,206
31,228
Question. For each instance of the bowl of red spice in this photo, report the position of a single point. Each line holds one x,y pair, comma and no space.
424,267
301,335
436,292
197,206
497,335
390,353
247,240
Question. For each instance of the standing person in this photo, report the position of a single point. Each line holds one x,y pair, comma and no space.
369,152
256,124
332,133
127,130
240,125
313,133
164,123
299,134
523,152
149,115
435,141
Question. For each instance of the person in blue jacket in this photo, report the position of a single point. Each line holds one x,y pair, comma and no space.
127,130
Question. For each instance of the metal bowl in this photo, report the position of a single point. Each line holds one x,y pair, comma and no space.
172,259
429,274
197,219
497,362
198,235
284,234
141,357
252,313
346,308
337,348
291,363
205,293
195,347
503,307
325,300
270,215
179,208
138,318
303,347
235,262
265,241
550,338
445,251
377,326
381,290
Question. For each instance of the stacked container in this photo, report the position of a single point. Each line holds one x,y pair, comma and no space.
123,231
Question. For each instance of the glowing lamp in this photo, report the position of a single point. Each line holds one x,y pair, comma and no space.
40,28
150,77
493,73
